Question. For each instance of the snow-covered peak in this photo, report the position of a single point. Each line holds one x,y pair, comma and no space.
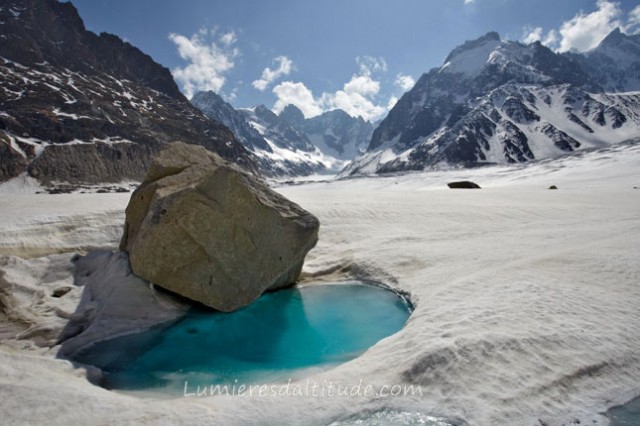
622,48
471,57
615,62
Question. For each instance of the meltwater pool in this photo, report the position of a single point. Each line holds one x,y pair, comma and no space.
284,335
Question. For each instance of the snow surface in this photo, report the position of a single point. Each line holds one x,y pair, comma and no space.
297,156
471,62
526,299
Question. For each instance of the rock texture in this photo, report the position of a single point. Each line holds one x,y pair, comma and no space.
203,228
85,108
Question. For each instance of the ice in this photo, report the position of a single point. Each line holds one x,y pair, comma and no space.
526,300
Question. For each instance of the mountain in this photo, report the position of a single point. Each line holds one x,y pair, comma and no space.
292,149
289,144
80,107
495,101
335,132
615,63
213,106
278,149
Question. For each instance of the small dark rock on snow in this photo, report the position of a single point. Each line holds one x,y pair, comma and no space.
465,184
61,291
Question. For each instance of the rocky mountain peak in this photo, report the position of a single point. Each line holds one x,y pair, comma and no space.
213,106
619,43
208,97
292,115
613,38
77,107
615,63
37,31
266,115
490,39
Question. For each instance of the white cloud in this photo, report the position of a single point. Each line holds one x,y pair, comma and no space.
363,85
370,64
531,35
229,38
469,1
633,24
551,39
405,82
357,97
585,31
285,65
232,95
296,94
207,62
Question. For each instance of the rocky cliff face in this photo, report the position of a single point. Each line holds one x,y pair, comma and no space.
335,132
79,107
278,149
288,144
213,106
495,101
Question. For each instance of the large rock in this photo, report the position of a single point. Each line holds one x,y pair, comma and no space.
203,228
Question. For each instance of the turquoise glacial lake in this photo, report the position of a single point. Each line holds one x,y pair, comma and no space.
287,334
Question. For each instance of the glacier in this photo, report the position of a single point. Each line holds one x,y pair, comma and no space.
525,299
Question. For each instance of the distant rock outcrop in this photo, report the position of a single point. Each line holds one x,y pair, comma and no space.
205,229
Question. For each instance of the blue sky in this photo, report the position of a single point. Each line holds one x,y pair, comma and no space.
359,55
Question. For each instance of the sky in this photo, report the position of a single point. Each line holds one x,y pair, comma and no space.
357,55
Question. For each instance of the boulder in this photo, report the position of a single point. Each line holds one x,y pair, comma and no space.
465,184
205,229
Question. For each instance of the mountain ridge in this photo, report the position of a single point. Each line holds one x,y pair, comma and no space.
81,108
490,103
288,144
